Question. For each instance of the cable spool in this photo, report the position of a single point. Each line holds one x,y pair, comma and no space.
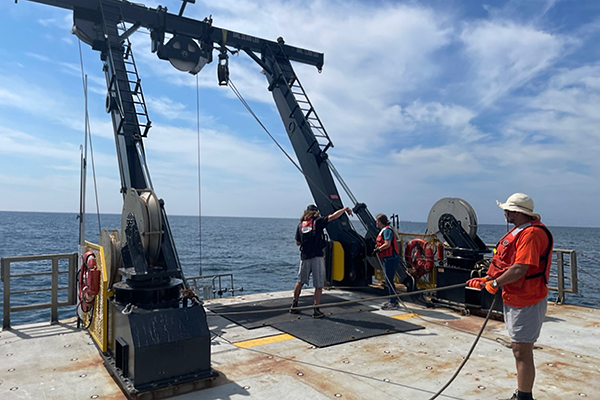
460,209
111,242
146,209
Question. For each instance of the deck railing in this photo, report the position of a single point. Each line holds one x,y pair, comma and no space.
54,272
209,286
563,270
566,273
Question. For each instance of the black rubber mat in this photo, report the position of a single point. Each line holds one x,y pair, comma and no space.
255,315
342,328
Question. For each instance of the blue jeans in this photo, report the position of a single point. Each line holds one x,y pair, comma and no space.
391,265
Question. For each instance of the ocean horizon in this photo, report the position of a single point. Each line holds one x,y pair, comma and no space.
353,219
260,252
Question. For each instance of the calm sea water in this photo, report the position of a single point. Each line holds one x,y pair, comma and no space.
260,252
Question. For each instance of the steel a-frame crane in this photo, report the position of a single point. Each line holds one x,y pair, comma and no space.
149,296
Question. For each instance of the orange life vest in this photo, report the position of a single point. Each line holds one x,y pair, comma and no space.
390,251
532,287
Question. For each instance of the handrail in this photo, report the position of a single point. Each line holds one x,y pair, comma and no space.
209,290
566,272
560,274
5,274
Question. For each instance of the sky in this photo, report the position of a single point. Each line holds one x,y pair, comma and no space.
422,99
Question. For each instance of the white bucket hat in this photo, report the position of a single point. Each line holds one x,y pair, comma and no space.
519,202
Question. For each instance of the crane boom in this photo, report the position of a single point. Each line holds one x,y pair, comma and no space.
160,20
150,295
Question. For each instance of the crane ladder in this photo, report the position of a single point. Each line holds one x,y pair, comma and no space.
127,89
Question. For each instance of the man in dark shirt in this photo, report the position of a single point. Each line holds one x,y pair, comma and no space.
309,236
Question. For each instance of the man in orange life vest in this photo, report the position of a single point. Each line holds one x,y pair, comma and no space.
309,236
387,250
521,266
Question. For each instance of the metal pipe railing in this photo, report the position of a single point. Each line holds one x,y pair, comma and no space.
565,262
5,273
214,287
561,277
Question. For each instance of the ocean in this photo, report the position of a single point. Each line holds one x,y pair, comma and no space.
259,252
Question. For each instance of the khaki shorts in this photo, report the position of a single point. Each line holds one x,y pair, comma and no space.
316,265
524,324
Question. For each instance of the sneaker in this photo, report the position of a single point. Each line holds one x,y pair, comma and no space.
390,306
293,308
515,396
318,314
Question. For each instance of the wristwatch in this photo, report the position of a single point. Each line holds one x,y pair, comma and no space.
494,284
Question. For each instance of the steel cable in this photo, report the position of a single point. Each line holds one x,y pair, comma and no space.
199,177
88,135
590,258
398,295
247,106
462,364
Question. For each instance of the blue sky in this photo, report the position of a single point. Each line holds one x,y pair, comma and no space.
422,99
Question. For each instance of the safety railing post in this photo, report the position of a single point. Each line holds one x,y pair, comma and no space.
72,290
5,266
574,279
560,269
54,292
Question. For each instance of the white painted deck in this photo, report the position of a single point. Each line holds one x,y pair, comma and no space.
59,362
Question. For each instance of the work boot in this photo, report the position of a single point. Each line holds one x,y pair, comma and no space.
293,308
318,314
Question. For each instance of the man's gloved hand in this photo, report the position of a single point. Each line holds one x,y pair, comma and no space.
477,283
490,288
376,250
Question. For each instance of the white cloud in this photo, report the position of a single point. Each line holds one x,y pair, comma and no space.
504,56
421,102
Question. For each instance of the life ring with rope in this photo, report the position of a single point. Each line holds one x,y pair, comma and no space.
419,255
89,281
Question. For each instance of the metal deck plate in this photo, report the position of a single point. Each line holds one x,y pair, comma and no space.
257,314
342,328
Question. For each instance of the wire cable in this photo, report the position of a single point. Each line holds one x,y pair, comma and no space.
247,106
88,135
199,177
364,299
462,364
590,258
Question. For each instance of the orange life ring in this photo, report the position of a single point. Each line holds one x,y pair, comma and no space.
419,255
89,281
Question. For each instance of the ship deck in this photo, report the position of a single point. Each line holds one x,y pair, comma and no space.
42,361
